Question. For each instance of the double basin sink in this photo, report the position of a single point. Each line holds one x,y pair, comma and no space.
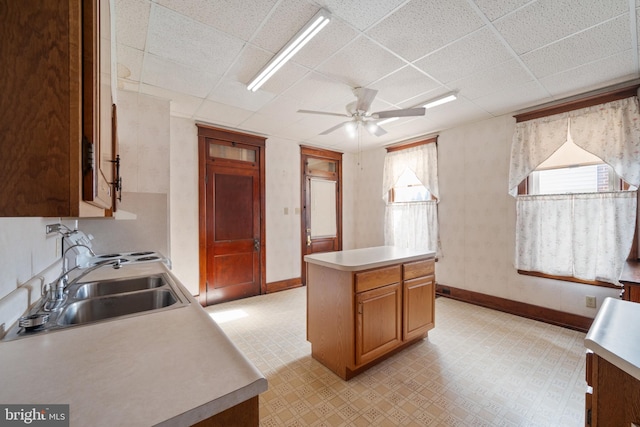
97,301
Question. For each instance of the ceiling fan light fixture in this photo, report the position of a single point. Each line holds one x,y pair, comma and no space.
351,129
313,27
441,100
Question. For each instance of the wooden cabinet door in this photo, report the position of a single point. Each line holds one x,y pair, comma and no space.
378,322
419,297
97,102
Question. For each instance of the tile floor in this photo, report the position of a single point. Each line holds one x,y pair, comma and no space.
478,367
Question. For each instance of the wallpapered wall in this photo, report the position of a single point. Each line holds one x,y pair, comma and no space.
477,216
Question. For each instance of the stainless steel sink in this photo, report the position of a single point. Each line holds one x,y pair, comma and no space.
96,309
117,286
104,300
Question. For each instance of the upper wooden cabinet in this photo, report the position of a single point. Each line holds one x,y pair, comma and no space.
56,103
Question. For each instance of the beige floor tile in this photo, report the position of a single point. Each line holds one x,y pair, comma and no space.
478,367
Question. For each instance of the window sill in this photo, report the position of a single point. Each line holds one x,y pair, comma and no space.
570,279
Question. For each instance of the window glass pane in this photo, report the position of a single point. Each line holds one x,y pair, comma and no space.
580,179
232,153
408,188
323,208
320,165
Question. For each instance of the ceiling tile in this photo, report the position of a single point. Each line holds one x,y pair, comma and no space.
221,114
545,21
189,42
317,92
492,80
502,102
132,21
360,63
180,104
237,95
284,78
361,13
613,69
285,22
465,56
332,38
129,63
447,115
403,84
494,9
238,18
422,26
168,75
597,43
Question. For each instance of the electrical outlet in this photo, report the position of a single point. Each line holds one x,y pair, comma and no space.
590,301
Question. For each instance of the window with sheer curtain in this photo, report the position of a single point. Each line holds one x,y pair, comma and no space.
582,235
410,190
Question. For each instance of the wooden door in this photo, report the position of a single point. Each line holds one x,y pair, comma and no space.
231,215
378,322
321,221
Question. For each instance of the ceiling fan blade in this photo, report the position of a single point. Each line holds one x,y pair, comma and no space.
325,113
336,127
365,98
407,112
374,129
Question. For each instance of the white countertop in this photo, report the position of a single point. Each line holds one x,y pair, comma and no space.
365,258
174,367
612,336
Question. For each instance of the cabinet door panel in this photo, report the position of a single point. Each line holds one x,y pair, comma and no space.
419,297
378,324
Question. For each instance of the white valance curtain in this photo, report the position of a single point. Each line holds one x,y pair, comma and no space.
610,131
412,225
421,160
587,236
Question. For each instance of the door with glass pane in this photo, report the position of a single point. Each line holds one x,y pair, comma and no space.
321,172
232,229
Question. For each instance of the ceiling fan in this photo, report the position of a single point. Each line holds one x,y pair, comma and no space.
359,114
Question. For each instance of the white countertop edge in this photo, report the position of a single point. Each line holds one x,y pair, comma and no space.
613,358
366,258
217,406
610,338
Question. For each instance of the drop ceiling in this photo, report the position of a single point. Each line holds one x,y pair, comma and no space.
501,56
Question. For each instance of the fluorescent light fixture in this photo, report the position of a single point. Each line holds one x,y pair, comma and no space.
441,100
313,27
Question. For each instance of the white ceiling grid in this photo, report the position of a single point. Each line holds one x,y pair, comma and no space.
499,55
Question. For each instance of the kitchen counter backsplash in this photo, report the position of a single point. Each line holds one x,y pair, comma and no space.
16,303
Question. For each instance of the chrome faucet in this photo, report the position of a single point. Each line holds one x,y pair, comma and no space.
56,290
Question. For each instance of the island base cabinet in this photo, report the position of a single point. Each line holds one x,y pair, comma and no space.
379,322
419,299
355,319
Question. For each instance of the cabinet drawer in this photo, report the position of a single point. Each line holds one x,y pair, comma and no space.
376,278
418,269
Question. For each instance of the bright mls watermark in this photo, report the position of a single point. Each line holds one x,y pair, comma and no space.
34,415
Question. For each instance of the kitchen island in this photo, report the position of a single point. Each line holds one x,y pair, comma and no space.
363,305
613,365
174,367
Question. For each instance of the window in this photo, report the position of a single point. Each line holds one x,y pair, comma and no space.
575,218
410,190
572,170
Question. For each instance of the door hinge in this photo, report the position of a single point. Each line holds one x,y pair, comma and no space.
588,417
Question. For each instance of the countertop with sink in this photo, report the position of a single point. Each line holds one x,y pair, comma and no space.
173,367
